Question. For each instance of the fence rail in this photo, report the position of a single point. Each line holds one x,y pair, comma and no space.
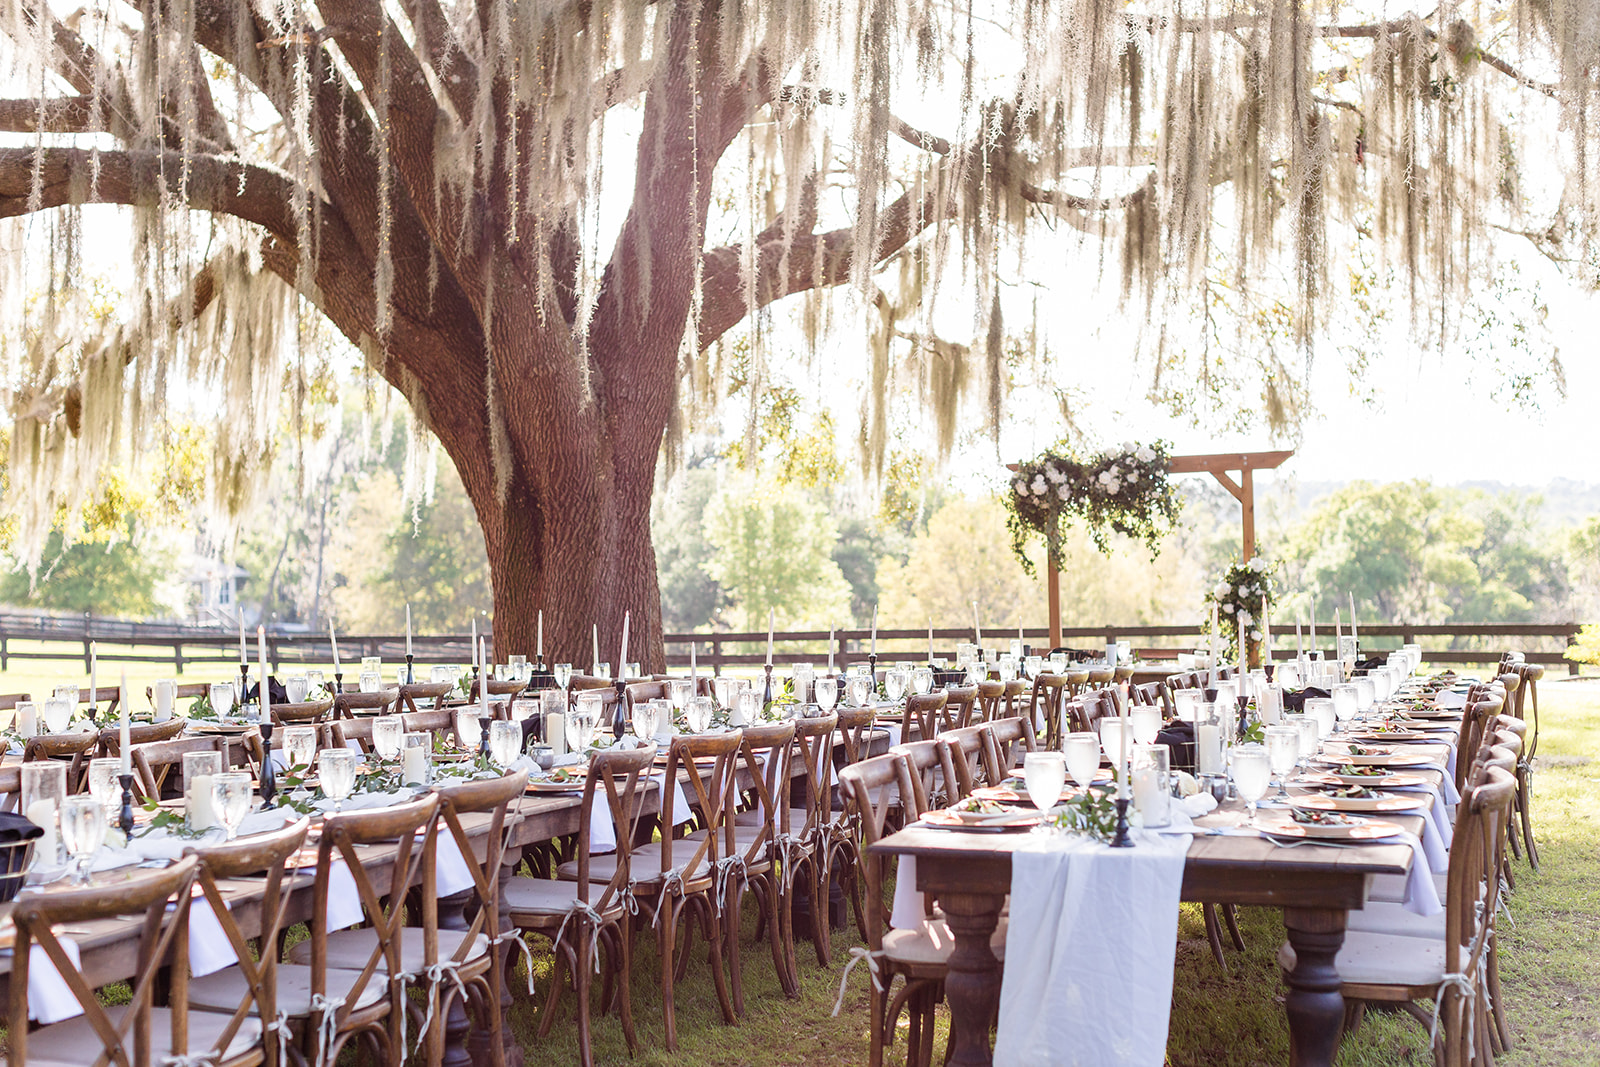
68,638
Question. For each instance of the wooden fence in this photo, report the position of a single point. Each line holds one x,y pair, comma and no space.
68,638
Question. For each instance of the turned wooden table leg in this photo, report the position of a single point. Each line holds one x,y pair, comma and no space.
973,984
1314,1004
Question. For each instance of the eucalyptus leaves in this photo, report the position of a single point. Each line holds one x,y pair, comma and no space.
1117,491
1243,595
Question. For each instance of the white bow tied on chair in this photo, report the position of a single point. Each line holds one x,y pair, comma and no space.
1468,988
328,1025
857,955
576,908
672,878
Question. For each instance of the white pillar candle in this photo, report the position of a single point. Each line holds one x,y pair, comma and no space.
408,629
472,649
1311,632
124,745
694,674
414,765
1208,749
1266,636
483,683
165,691
930,640
197,798
1299,647
1270,703
27,719
1148,797
1125,757
42,813
244,656
1213,644
555,733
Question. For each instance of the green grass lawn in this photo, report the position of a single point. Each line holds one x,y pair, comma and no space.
1550,964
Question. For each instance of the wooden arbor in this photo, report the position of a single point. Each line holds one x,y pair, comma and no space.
1218,466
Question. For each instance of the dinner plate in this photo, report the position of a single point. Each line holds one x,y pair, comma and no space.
1358,829
1385,781
1382,759
1380,803
1393,735
208,726
572,785
951,820
1433,713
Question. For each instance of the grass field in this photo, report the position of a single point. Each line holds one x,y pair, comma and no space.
1550,954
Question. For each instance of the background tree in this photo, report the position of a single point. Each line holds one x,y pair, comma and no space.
436,192
772,548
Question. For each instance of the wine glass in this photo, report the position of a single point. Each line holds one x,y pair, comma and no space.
1283,749
388,733
697,714
1007,669
336,769
221,696
1033,666
1320,709
726,690
827,693
469,728
1346,702
230,796
1184,703
895,682
581,723
83,830
1111,740
371,681
679,690
1310,732
562,673
103,784
860,686
804,675
749,702
1045,774
299,748
1146,723
1252,773
295,688
57,713
1082,753
922,681
646,718
1366,694
505,742
314,681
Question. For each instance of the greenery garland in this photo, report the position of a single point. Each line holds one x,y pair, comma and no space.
1124,491
1242,595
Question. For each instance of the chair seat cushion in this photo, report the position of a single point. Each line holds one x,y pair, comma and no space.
525,896
931,944
225,990
351,949
644,864
1383,959
74,1042
1387,917
797,819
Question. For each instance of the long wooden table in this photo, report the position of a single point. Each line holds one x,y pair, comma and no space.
1315,886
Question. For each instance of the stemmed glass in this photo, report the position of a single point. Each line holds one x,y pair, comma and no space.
336,768
388,733
749,702
827,693
1146,723
1321,711
562,672
468,727
679,691
1082,753
1283,749
83,830
1310,734
1252,774
57,714
230,796
299,748
295,688
646,719
697,715
860,687
103,784
1346,702
505,742
895,681
221,696
1045,774
581,722
922,681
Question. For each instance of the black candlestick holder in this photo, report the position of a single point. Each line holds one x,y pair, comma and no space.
766,695
269,778
338,685
477,674
411,677
126,819
244,686
619,717
1122,840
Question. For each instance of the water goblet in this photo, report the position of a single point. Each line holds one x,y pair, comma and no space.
1082,753
57,714
922,681
1252,773
679,690
230,797
299,748
1346,702
562,672
748,704
1033,666
827,693
1184,703
103,784
895,681
469,730
1045,775
586,719
1283,749
1146,723
1321,710
1112,740
371,681
860,687
1310,733
315,680
505,742
646,719
388,734
336,769
697,715
83,830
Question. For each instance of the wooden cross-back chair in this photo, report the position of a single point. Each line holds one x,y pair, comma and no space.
1402,970
960,704
972,758
139,734
305,712
377,952
1077,678
250,989
923,716
991,700
155,762
1153,694
75,748
585,914
803,835
9,701
379,702
1091,708
1527,709
440,722
137,1033
1008,740
1049,694
933,777
858,733
1474,721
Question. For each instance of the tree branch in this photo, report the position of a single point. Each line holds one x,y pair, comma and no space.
60,114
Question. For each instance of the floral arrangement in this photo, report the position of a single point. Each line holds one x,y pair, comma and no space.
1242,595
1117,491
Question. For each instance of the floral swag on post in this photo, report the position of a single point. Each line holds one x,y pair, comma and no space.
1243,595
1124,492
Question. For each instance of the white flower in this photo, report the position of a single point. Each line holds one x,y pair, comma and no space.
1255,635
1133,476
1038,484
1228,607
1020,487
1245,618
1221,590
1257,563
1145,454
1054,474
1128,446
1063,492
1104,477
1114,487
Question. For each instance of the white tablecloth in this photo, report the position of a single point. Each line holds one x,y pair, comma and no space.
1089,952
